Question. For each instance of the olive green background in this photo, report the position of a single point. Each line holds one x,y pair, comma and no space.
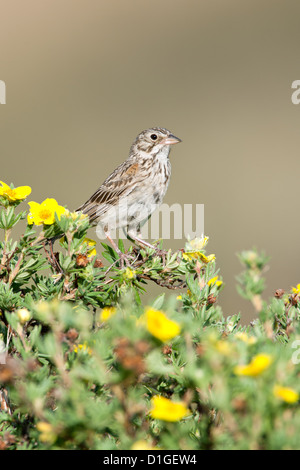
85,77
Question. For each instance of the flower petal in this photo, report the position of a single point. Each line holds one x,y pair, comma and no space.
22,192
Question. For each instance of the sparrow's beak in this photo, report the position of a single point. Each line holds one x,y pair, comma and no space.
171,140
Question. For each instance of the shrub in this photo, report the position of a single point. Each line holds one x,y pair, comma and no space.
85,365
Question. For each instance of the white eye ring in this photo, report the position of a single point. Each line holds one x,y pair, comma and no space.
153,137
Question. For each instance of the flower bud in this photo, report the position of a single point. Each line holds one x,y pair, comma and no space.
23,315
279,293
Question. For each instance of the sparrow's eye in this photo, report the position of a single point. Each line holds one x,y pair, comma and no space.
153,136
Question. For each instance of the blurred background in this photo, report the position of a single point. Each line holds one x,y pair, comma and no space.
84,78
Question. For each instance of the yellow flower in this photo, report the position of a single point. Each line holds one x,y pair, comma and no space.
207,259
23,315
256,367
166,410
90,243
245,338
224,347
82,347
75,215
197,244
296,290
179,297
107,312
47,435
44,213
286,394
43,426
215,281
16,194
142,445
189,255
221,345
160,326
129,274
91,253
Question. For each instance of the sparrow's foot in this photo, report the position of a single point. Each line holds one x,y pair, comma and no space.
123,256
124,259
158,251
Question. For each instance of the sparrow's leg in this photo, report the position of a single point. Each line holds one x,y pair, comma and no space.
140,241
135,235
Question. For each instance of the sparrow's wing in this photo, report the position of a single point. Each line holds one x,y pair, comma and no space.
119,184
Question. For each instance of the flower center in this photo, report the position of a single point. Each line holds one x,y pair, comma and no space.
11,193
45,214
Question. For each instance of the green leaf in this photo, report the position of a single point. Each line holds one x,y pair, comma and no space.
159,301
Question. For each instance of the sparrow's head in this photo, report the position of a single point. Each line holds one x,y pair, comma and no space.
153,141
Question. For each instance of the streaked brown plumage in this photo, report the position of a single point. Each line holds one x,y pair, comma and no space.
135,188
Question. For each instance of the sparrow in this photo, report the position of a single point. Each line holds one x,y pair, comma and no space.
131,193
